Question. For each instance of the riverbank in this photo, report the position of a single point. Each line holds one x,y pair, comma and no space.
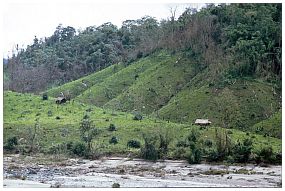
37,171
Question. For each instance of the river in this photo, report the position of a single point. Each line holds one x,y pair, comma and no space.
35,171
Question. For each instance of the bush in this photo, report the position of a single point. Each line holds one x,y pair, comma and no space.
69,146
139,54
49,113
113,140
112,127
179,153
213,156
138,117
134,144
149,150
242,151
266,155
11,143
208,143
194,156
278,158
79,149
116,185
45,96
181,143
230,159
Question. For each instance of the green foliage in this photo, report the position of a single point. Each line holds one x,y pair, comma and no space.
190,148
137,117
208,143
134,144
45,96
165,138
88,131
213,156
80,149
266,155
77,87
49,113
113,140
20,113
116,185
241,151
223,143
149,151
12,142
112,127
272,126
194,156
230,107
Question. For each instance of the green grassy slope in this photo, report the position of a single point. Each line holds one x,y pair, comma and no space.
22,110
155,87
271,126
239,105
77,87
120,82
168,86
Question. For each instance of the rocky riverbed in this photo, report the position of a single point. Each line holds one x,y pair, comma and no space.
41,171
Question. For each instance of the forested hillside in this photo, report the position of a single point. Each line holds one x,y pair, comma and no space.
138,89
233,41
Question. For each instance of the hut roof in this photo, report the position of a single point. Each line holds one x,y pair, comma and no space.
202,121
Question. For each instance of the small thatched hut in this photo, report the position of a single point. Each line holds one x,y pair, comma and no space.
203,122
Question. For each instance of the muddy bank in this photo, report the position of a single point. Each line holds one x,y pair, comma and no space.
26,171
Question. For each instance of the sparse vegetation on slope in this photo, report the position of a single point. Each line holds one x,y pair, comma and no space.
77,87
239,105
271,126
61,135
120,82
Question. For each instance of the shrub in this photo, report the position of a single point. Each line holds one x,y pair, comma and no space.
86,116
208,143
49,113
11,143
45,96
138,117
241,151
79,149
139,54
181,143
112,127
230,159
149,150
113,140
57,117
164,140
179,153
266,155
116,185
278,158
134,144
89,110
194,156
69,145
88,131
213,156
54,149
